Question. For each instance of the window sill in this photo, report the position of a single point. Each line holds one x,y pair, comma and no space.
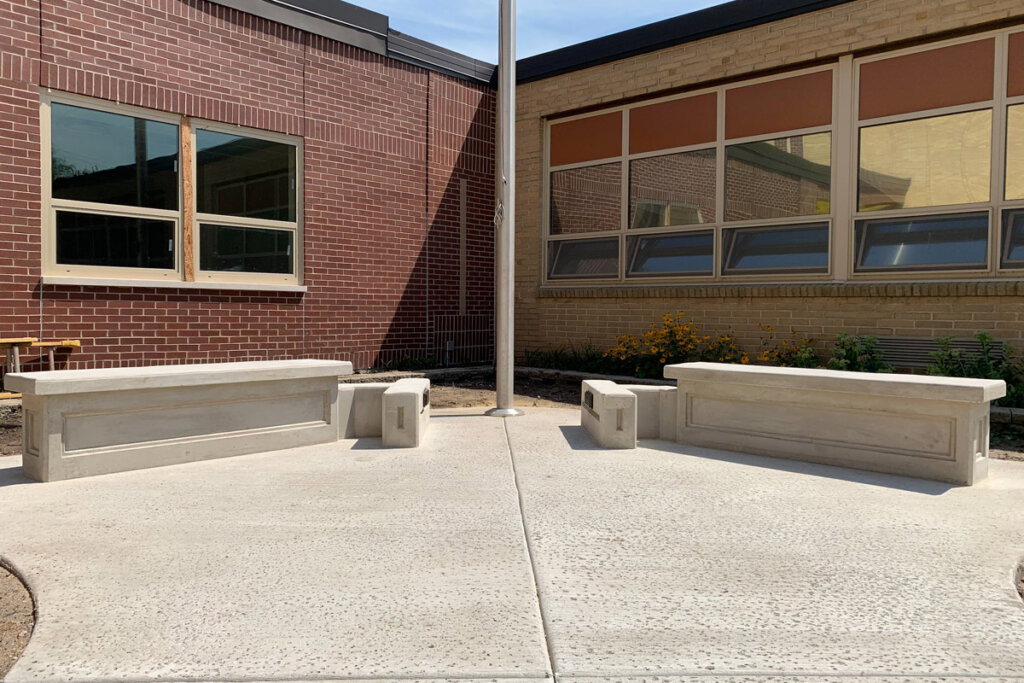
1004,287
169,284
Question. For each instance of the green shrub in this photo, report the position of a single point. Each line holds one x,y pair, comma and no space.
992,362
858,354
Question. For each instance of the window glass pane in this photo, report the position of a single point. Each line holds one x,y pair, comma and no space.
756,250
113,159
927,162
779,178
248,177
674,189
1013,244
583,258
586,199
246,250
923,243
689,253
1015,152
85,239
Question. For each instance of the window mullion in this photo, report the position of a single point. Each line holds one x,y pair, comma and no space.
188,203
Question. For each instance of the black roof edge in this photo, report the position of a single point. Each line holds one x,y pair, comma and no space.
412,50
366,29
712,21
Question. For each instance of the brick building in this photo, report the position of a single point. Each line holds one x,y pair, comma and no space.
197,181
818,166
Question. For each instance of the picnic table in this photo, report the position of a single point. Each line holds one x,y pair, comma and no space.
14,347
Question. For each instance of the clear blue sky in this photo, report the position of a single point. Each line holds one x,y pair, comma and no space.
471,26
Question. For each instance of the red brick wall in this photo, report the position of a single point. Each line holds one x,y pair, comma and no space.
386,146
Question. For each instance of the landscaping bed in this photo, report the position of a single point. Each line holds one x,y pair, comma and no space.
16,619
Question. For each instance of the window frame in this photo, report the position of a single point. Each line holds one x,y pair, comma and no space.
845,214
719,146
186,219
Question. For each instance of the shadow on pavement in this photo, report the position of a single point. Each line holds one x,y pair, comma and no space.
578,440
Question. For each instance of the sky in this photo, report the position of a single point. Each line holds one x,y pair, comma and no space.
471,26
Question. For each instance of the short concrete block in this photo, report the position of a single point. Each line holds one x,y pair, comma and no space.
405,412
608,413
360,409
655,411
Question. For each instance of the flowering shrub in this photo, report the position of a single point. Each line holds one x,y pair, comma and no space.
795,352
674,340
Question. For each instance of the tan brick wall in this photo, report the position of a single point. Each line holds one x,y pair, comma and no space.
820,312
547,319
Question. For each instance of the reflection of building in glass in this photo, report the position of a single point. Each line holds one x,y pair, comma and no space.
672,189
586,199
773,179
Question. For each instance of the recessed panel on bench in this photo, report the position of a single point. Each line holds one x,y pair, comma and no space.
919,436
87,431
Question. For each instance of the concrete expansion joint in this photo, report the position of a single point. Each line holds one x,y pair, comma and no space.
544,623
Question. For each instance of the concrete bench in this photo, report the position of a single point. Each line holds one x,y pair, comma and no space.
914,425
80,423
398,412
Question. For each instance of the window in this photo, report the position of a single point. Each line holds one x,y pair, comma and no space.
936,161
672,189
114,196
779,178
923,243
772,249
1013,239
245,205
687,253
657,189
586,199
583,258
1014,152
118,186
906,165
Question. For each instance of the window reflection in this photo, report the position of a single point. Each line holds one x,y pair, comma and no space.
248,177
245,250
97,156
923,243
586,199
114,241
938,161
689,253
583,258
758,250
673,189
1015,152
779,178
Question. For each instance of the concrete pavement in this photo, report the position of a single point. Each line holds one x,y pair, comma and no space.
511,549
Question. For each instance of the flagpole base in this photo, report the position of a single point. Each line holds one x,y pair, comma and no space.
503,412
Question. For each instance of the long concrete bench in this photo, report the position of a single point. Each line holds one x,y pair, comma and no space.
914,425
79,423
397,412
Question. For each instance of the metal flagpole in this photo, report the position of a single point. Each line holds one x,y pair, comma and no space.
504,215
